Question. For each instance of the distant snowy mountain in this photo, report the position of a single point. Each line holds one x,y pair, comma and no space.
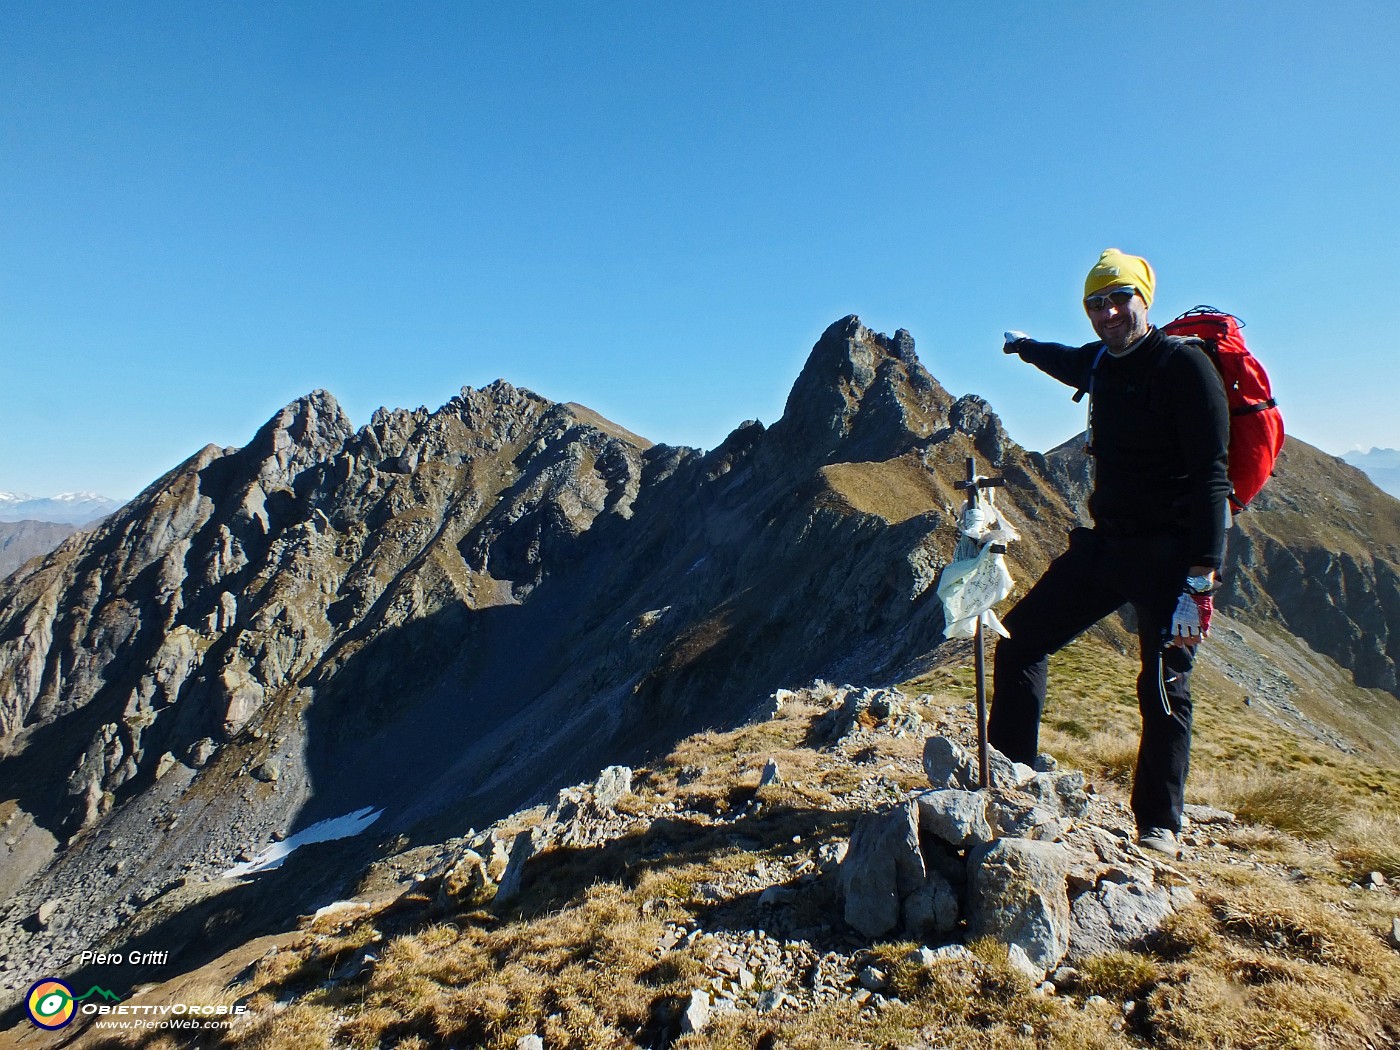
1381,465
74,508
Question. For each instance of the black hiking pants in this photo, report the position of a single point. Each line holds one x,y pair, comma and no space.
1095,576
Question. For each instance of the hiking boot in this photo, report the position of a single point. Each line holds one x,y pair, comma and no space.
1162,840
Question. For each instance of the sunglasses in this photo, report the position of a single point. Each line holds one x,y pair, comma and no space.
1118,297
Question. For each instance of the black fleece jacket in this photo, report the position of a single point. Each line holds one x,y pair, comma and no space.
1160,433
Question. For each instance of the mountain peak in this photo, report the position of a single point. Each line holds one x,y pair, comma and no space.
861,395
305,432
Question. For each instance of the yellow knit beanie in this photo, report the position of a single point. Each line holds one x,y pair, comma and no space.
1115,268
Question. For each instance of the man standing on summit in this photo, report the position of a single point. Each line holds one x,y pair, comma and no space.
1158,433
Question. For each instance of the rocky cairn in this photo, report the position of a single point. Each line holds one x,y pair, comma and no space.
1039,862
1016,862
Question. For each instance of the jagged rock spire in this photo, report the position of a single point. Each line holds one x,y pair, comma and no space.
861,395
310,430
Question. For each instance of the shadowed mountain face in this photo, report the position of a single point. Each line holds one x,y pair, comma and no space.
444,615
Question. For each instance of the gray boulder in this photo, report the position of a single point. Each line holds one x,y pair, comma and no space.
887,708
931,910
1017,893
1017,816
948,766
696,1017
613,785
881,868
521,850
1021,962
957,817
1063,792
771,773
165,764
1116,916
1006,773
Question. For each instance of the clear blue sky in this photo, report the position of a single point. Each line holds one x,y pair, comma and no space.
208,209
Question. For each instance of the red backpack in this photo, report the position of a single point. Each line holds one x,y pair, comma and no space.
1256,427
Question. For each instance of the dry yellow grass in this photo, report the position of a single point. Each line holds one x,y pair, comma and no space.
1311,809
1370,842
896,489
1119,975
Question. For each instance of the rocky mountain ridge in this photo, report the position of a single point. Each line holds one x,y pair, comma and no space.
442,614
445,615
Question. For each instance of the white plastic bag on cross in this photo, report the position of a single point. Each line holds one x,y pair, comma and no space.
977,577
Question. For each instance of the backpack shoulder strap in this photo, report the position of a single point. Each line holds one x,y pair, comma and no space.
1173,344
1170,344
1088,387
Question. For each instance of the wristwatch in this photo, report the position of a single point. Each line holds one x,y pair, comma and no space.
1199,584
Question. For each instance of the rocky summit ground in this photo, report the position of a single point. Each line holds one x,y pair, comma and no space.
710,900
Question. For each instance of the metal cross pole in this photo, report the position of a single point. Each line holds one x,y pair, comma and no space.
984,762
